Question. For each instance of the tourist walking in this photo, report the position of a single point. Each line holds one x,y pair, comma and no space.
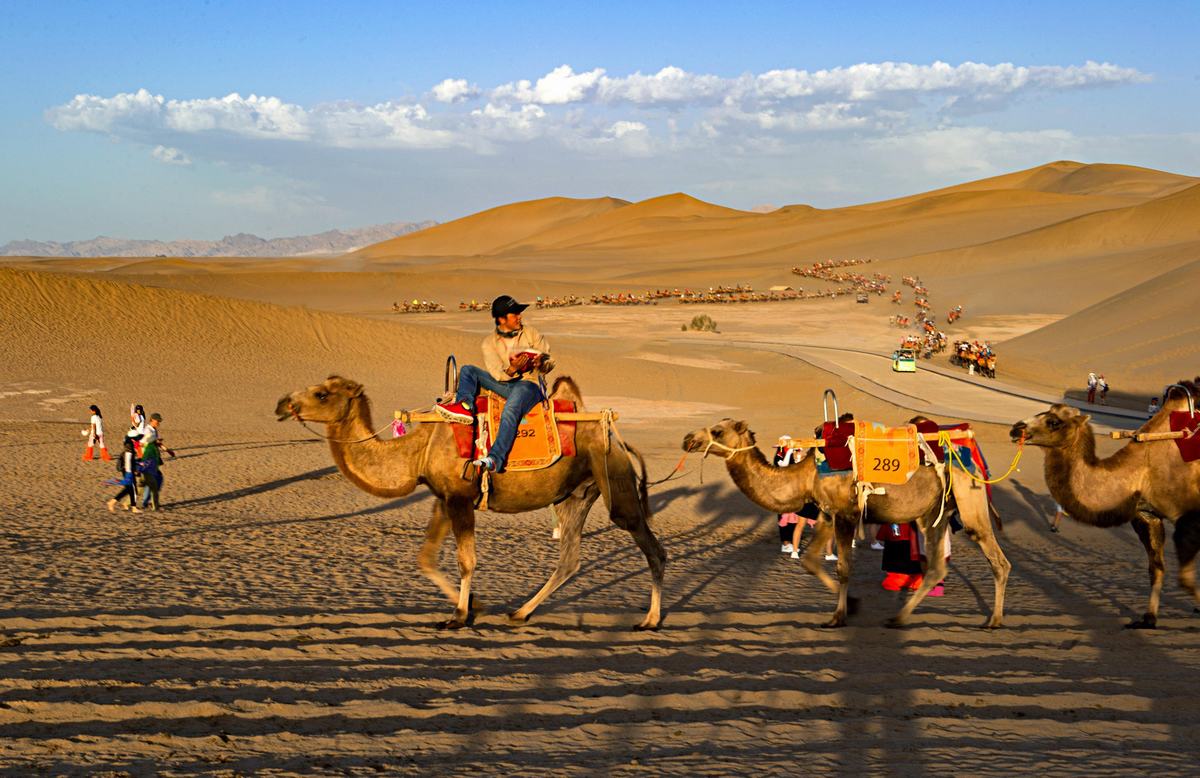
95,433
128,468
151,463
1091,387
1102,386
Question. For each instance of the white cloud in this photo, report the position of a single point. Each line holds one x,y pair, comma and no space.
142,114
671,85
637,114
558,87
170,155
454,90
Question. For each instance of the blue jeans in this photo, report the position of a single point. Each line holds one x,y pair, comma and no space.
520,397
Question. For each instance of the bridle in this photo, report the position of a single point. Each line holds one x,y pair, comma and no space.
345,413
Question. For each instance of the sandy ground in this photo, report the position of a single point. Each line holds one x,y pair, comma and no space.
271,619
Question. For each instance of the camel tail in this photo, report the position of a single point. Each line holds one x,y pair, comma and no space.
996,520
643,480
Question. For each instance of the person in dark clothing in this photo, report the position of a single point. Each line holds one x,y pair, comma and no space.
128,466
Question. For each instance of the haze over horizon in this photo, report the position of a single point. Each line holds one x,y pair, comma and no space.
184,122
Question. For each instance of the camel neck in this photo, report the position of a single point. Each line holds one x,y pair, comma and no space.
778,489
1099,492
386,468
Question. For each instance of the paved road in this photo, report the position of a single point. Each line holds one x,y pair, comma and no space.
936,391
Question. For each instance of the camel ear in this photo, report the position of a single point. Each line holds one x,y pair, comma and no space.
740,427
351,388
1084,419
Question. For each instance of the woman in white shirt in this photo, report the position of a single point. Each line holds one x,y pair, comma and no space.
95,433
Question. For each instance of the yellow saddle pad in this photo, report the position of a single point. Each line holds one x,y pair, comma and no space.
537,444
885,455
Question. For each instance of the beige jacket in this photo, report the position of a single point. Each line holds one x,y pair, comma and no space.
497,351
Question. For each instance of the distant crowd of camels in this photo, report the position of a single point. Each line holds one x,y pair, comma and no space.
1143,483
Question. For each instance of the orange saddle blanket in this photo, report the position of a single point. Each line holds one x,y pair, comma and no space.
1182,421
541,438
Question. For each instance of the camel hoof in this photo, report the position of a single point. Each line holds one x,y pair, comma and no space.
837,622
1145,622
992,625
454,623
894,623
646,627
514,617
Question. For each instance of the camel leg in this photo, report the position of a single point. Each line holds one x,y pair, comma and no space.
812,559
814,554
935,569
979,529
1151,532
572,513
657,558
1187,545
427,559
845,531
462,519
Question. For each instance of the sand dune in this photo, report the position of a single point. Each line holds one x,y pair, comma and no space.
484,232
1141,338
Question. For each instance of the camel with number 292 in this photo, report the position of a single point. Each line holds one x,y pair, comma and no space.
428,455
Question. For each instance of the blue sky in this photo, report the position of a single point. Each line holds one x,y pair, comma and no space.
137,119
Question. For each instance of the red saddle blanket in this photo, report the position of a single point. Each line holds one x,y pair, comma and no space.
465,436
1182,421
837,444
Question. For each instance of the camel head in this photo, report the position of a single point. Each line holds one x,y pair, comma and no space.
721,439
1057,427
326,402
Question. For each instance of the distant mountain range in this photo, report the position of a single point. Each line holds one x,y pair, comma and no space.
240,245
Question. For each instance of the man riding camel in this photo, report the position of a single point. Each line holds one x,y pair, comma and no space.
515,356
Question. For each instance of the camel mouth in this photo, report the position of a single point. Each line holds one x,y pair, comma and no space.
284,410
690,444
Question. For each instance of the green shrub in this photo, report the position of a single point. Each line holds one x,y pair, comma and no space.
702,323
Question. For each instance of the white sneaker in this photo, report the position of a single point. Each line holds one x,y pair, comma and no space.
831,557
854,543
786,548
877,546
795,555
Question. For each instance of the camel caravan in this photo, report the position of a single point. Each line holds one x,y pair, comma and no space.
419,306
499,440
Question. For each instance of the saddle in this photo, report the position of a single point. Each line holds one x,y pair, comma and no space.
838,457
1182,421
541,438
887,455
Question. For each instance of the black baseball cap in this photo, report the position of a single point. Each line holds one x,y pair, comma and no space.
504,305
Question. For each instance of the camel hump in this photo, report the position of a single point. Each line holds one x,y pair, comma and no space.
565,388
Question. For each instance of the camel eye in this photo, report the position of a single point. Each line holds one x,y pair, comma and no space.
322,396
1053,422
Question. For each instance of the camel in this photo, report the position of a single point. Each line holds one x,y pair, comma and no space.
788,489
428,455
1143,483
